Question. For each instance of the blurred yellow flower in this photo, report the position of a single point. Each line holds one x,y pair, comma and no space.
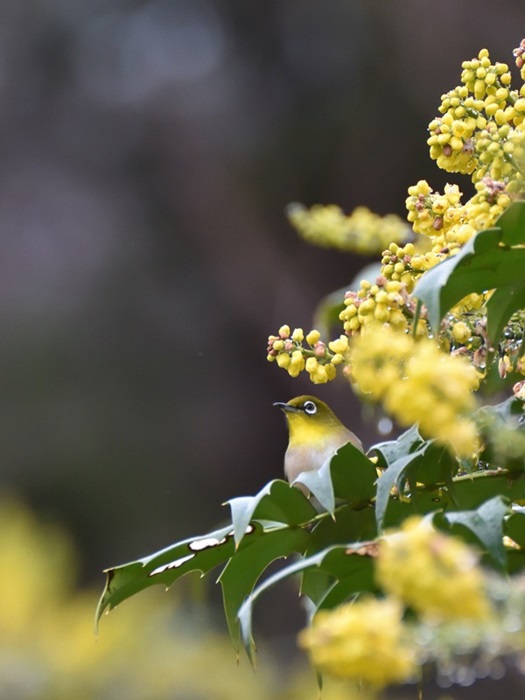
418,383
362,641
434,573
361,232
148,649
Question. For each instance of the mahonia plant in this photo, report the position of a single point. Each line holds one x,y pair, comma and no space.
480,133
411,556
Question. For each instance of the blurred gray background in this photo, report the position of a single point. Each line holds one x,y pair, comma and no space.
148,150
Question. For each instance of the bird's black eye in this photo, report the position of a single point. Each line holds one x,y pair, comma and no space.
309,407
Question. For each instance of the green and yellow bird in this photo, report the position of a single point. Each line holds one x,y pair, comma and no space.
315,434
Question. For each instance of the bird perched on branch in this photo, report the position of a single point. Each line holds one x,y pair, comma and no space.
315,434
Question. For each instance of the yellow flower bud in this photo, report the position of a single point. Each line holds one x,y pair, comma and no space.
283,360
311,365
313,337
319,376
330,372
297,359
340,345
284,332
298,335
461,332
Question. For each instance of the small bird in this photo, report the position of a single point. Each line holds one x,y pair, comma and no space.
315,434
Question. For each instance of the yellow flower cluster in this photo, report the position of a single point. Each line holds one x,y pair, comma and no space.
361,232
364,641
433,214
319,360
446,221
418,383
435,574
481,131
382,302
486,206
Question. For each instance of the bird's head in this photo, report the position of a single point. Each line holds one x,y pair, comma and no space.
307,416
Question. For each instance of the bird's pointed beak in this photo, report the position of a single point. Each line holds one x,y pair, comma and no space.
286,407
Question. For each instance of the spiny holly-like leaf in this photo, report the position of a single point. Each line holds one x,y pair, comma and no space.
241,573
509,410
395,475
347,562
452,279
500,307
166,566
430,465
354,524
486,524
277,501
437,467
512,224
353,475
391,450
473,490
486,262
349,475
319,483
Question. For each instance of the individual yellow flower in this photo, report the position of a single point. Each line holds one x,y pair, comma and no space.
340,345
297,363
298,335
434,573
364,641
313,337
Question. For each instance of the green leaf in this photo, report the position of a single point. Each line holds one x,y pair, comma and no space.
516,559
315,584
395,475
500,307
509,410
515,528
485,262
452,279
437,467
319,483
339,562
512,224
392,450
360,581
241,573
166,566
349,475
350,524
353,475
277,501
486,524
473,490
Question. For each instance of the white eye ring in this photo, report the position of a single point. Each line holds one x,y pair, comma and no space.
309,407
